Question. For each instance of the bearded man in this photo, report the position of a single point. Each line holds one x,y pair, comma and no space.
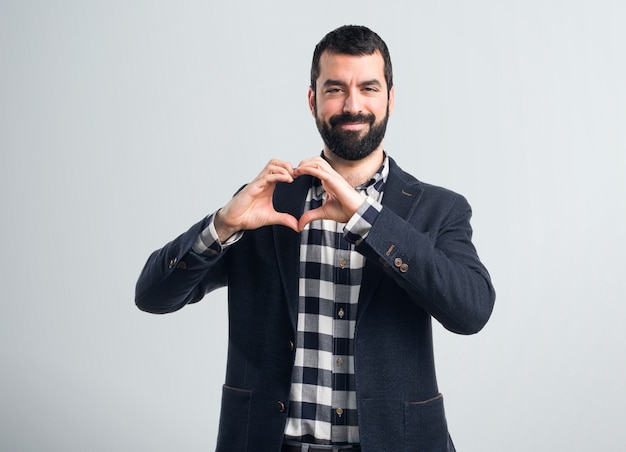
335,269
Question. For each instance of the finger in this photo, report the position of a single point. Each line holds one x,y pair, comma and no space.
284,170
274,177
282,163
279,166
265,182
321,170
317,160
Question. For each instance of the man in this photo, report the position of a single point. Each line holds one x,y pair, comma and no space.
334,269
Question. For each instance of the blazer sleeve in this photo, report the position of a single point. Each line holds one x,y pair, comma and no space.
174,275
431,256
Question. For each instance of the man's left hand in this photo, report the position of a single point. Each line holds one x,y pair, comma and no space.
342,200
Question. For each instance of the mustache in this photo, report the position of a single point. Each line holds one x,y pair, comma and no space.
346,118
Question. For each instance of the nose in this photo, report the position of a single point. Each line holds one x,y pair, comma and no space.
352,103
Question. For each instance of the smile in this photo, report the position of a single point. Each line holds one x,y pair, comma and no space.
353,125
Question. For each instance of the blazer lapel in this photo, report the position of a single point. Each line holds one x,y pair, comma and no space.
290,198
401,194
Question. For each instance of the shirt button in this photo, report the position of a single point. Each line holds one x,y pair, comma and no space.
342,263
339,411
281,407
341,313
340,361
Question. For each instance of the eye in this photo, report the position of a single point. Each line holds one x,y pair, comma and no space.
334,90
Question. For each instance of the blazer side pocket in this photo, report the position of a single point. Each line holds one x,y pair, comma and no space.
382,425
426,426
234,420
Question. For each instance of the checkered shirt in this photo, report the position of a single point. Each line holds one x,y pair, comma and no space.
322,407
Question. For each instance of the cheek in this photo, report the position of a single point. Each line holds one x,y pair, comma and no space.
329,108
381,111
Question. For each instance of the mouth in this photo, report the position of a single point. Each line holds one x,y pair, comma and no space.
353,125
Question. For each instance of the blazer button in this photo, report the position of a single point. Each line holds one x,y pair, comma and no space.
281,407
397,262
292,346
182,265
404,268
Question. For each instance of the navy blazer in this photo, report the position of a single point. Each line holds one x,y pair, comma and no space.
420,263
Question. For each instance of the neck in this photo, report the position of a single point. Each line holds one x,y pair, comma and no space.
356,172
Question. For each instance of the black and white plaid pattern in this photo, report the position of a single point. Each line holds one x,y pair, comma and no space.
322,406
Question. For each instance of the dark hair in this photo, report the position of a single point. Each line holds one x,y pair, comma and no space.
351,40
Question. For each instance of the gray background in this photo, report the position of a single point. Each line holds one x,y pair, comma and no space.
124,122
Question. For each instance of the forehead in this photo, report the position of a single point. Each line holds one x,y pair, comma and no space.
351,68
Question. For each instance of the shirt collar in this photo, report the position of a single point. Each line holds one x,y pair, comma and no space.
376,184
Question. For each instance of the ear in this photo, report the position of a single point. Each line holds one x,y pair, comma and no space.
391,99
311,99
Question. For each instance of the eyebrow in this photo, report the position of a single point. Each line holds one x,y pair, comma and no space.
332,82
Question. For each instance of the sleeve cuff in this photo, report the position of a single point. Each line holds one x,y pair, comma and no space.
208,242
359,226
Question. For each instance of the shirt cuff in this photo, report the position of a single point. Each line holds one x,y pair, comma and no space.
359,226
208,242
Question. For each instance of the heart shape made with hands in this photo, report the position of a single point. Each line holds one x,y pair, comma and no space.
255,204
340,203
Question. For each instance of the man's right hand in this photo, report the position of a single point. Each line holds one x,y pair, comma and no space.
252,207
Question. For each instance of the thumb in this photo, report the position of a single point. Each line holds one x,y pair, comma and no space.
311,215
286,220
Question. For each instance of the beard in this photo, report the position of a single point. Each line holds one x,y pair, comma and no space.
352,144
